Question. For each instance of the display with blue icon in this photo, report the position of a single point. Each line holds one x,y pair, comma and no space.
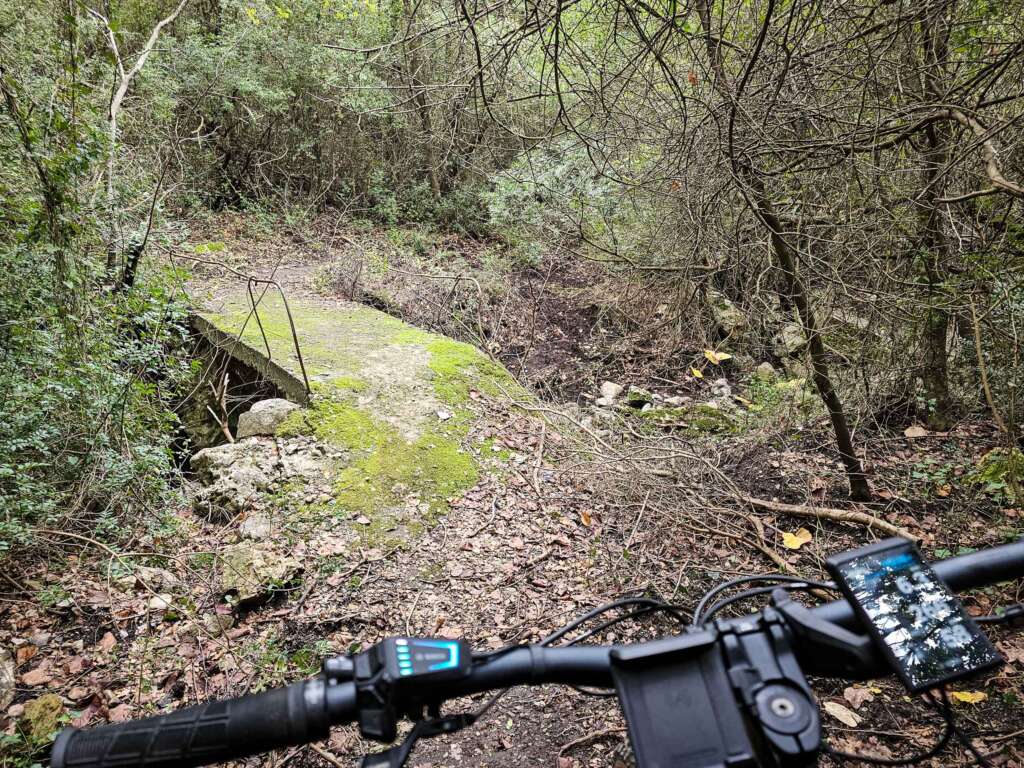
421,657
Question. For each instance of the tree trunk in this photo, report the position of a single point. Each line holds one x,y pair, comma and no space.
797,294
934,246
794,293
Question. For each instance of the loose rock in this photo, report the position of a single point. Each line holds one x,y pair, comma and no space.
721,388
264,417
765,372
728,320
256,527
216,624
6,677
253,571
610,390
789,340
638,398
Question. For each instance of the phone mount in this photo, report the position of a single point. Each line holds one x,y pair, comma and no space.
733,694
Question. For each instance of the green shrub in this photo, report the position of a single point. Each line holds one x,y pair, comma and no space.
1000,472
85,423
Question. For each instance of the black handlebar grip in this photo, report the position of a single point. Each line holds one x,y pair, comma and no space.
214,732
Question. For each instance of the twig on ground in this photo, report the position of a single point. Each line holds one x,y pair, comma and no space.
829,513
540,459
412,609
327,756
482,528
592,737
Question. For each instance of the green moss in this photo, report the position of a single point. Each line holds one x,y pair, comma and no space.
490,449
343,425
350,383
42,717
459,367
334,342
335,422
1000,473
432,468
696,419
295,424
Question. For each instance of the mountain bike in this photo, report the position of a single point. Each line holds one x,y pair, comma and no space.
721,693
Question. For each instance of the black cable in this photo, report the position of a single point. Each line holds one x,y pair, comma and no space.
658,606
718,589
754,592
592,614
965,740
946,711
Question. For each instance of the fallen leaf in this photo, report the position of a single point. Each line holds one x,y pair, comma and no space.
120,713
26,652
841,713
856,696
37,676
107,642
696,373
88,713
969,697
797,539
944,490
1014,652
716,358
915,431
586,518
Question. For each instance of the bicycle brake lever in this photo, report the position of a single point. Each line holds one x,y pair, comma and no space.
397,756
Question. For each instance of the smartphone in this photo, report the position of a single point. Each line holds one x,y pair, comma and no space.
916,620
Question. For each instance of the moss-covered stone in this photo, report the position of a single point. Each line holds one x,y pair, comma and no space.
696,419
42,717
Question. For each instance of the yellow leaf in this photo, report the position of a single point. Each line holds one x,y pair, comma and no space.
796,540
716,357
696,373
944,490
969,697
841,713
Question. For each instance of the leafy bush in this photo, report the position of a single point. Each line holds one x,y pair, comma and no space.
1000,472
85,422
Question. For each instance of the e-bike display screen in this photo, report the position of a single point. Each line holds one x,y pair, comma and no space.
919,623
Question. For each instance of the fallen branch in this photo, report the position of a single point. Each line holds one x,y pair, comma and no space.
327,756
592,737
829,513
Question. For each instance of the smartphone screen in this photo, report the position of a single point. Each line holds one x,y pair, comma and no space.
920,624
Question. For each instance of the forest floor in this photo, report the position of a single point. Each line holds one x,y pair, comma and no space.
590,504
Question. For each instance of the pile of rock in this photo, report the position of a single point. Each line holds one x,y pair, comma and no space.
636,398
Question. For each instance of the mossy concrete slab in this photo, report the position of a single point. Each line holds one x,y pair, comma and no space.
400,401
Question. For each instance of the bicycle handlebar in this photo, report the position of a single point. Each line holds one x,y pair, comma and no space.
214,732
303,712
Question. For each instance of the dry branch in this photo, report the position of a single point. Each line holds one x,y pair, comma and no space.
830,513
